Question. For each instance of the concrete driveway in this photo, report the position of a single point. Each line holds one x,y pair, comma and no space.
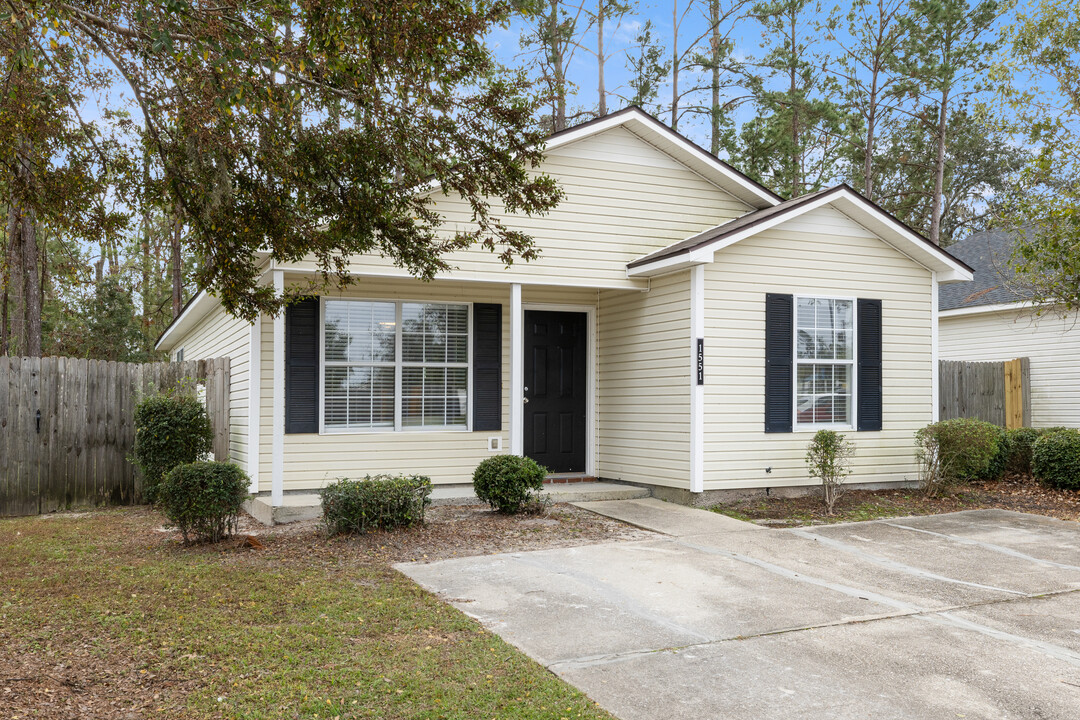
967,615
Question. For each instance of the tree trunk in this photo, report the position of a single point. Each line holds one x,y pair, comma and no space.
177,270
714,114
144,292
5,279
675,65
31,335
939,171
555,47
602,106
796,154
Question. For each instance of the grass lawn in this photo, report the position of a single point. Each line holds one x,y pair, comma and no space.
1014,492
104,615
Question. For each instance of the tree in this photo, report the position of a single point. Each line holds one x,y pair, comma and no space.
793,143
873,34
1039,86
719,62
945,54
647,68
606,11
322,142
553,36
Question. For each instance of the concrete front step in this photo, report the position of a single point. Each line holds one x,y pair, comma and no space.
295,508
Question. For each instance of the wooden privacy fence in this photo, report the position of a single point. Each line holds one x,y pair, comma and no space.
67,426
997,392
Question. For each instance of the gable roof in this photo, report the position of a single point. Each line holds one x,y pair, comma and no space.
682,149
701,248
989,253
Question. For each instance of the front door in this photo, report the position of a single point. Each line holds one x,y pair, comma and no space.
555,389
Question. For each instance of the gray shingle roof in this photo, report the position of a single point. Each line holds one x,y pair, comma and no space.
989,253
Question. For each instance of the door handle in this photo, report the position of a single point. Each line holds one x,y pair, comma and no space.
525,401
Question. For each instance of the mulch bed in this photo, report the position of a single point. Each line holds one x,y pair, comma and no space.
1021,493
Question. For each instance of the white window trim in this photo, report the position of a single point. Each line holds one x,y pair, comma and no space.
797,426
397,364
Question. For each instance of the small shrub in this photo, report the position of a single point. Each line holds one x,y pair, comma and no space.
509,483
170,430
828,458
1021,445
203,499
1055,459
954,451
995,469
381,502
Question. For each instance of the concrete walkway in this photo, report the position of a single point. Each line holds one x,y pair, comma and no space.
973,614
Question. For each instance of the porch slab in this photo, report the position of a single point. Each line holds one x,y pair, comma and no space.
306,506
667,518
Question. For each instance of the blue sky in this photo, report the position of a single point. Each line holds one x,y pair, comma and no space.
582,71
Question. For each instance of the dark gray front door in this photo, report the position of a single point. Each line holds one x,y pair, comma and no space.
556,389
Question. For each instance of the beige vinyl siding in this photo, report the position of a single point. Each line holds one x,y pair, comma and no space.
1051,341
219,334
624,199
821,253
448,456
643,432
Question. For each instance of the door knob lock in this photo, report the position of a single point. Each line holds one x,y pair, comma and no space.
525,401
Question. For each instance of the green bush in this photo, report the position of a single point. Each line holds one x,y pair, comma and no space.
828,458
509,483
203,499
170,430
1021,445
1055,459
954,451
995,469
381,502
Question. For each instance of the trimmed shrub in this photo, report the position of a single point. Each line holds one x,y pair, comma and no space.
1055,459
1021,445
170,430
509,483
381,502
995,469
828,458
954,451
203,499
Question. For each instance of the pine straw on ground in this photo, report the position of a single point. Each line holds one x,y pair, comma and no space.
1014,492
105,615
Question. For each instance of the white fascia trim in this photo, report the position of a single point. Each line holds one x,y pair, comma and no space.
981,309
277,464
202,304
948,269
697,392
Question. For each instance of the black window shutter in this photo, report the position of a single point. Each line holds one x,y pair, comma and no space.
302,366
868,323
487,366
779,342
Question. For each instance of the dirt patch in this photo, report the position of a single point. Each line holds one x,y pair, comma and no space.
1015,492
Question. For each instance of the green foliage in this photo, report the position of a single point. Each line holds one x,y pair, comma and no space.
647,67
995,469
828,458
1055,459
170,430
204,499
382,502
1021,445
509,483
954,451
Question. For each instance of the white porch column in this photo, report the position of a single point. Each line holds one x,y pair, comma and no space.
697,370
935,414
254,391
517,372
277,467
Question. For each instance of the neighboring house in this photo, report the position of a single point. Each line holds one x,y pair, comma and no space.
990,319
684,329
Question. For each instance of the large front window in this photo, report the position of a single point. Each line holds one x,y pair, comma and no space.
824,361
395,365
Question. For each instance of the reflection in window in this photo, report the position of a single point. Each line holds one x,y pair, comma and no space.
824,361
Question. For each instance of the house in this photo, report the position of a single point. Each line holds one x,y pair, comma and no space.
685,329
990,319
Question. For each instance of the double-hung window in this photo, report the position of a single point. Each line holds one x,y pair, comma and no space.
395,365
824,361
